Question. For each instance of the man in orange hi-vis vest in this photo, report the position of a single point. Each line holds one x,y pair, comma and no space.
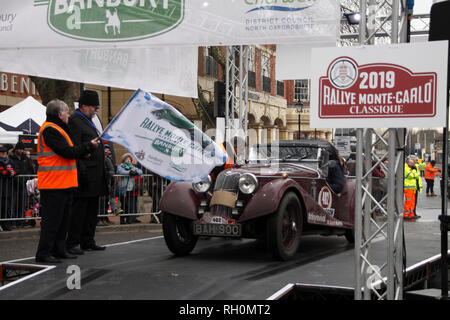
430,173
57,180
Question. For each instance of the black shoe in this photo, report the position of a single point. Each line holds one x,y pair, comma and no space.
75,251
66,255
416,217
49,259
93,248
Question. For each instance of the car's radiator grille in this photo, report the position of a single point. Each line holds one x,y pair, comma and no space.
229,182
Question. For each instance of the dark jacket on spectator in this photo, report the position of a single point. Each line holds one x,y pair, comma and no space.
110,171
335,176
7,171
92,179
23,165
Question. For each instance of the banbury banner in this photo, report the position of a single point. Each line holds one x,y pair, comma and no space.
126,23
163,140
394,86
168,70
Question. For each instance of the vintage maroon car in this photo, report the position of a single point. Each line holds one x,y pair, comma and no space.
280,195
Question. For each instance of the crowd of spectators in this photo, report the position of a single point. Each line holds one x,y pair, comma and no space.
16,168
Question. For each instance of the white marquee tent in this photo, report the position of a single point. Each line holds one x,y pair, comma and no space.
24,114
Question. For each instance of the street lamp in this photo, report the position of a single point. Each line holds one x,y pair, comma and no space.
353,18
299,108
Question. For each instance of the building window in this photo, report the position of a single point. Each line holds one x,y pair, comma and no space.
252,79
265,73
301,90
280,88
211,65
251,58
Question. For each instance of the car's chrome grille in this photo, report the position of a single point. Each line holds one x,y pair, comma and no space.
226,181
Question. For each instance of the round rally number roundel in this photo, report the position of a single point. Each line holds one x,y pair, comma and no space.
325,198
343,73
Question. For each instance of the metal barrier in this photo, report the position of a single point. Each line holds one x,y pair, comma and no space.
19,198
134,195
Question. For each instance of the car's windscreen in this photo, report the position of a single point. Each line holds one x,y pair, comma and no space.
283,153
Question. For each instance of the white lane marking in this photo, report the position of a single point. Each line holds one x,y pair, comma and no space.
281,292
108,245
132,241
46,268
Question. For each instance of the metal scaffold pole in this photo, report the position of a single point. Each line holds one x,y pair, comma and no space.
379,219
236,92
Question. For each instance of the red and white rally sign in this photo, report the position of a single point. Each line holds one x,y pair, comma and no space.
380,86
325,198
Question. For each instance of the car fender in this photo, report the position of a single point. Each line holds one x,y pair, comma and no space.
267,199
181,200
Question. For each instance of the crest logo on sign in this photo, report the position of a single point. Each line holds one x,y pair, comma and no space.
325,198
343,73
114,20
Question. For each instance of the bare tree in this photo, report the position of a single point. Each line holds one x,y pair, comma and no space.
51,88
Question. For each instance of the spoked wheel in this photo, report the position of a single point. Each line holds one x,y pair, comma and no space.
284,228
178,234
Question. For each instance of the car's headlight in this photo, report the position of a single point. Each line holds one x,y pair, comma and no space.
202,186
248,183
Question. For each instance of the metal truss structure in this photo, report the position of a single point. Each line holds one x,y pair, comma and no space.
382,21
236,87
375,278
379,218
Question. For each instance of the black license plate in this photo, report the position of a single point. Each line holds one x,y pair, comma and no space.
221,230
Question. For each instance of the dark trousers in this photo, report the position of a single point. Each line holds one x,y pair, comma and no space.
430,185
83,222
129,205
55,210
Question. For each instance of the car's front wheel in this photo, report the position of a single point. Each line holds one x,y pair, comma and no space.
284,228
350,235
178,234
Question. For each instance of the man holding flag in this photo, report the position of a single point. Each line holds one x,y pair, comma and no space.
163,140
91,177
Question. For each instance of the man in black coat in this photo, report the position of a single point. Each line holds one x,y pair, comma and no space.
335,178
92,182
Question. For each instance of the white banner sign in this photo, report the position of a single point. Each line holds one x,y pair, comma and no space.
169,70
163,140
392,86
343,144
294,61
126,23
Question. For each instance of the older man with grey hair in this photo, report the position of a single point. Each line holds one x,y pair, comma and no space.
57,180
